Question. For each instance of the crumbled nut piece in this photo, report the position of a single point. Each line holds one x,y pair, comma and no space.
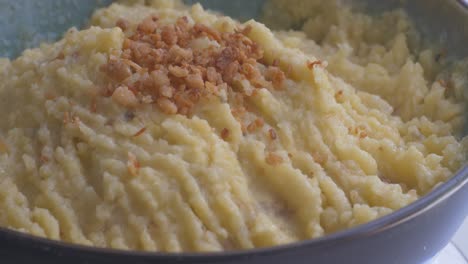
180,55
158,65
225,133
272,134
195,81
147,99
123,96
166,91
169,35
276,76
140,132
259,122
320,158
178,71
202,30
133,165
256,124
117,69
274,159
251,127
148,25
312,64
339,96
167,106
160,78
213,76
123,24
363,134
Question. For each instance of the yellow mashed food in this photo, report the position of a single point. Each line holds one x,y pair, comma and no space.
361,127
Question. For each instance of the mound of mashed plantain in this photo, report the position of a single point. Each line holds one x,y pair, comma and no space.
164,127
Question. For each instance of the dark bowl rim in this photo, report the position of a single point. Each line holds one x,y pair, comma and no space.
405,214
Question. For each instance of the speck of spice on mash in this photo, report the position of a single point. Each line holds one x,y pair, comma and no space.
164,127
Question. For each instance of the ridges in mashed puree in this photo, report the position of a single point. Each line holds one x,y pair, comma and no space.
285,136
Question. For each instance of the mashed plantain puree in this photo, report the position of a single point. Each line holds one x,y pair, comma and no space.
165,127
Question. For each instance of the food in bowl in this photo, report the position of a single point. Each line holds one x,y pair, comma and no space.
165,127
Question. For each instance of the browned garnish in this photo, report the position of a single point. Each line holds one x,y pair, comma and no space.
166,91
275,63
178,71
274,159
255,125
363,134
276,76
123,24
225,133
238,112
140,132
133,165
166,65
251,127
203,30
259,122
194,82
320,158
312,64
117,69
149,25
123,96
272,134
167,106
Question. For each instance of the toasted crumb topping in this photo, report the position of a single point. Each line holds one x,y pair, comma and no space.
312,64
274,159
133,165
225,133
272,134
140,132
176,66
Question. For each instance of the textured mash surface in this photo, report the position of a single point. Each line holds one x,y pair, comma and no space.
365,136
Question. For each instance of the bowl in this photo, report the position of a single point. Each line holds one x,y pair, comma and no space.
413,234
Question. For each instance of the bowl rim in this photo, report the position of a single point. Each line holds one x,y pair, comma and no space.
401,216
